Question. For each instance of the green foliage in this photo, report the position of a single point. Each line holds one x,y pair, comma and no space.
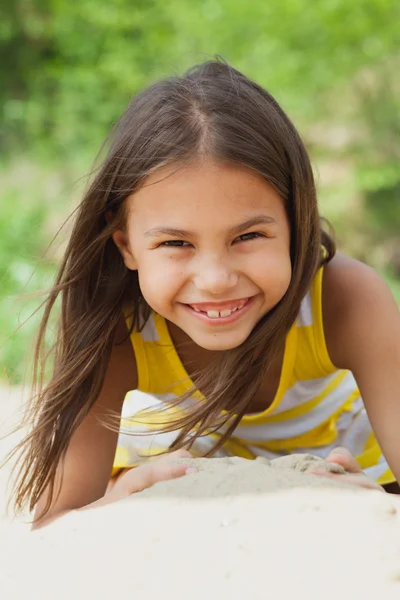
19,279
68,69
23,271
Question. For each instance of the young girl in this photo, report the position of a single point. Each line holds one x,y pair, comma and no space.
198,273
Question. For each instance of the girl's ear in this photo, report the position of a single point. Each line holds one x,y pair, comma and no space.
121,241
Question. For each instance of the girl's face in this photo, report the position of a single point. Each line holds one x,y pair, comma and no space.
211,246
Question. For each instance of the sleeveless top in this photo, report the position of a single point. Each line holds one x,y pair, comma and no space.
316,407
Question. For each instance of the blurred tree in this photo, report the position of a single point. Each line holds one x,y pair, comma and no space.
68,69
23,240
25,47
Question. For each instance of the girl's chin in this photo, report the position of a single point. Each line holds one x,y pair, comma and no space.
218,341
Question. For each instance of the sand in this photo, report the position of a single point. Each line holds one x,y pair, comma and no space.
235,529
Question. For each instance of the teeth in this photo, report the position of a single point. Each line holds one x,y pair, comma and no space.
214,314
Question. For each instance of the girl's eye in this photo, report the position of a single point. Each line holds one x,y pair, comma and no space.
249,236
181,244
175,244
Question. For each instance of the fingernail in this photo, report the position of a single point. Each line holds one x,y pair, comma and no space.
339,451
191,470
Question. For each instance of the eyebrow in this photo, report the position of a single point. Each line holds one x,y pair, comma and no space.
257,220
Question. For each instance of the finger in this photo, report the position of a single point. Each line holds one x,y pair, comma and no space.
148,475
176,454
355,480
343,457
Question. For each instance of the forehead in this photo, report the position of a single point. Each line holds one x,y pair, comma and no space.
204,188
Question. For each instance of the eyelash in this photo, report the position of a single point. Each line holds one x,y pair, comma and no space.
182,244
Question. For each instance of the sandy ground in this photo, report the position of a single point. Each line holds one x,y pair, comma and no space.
11,401
236,529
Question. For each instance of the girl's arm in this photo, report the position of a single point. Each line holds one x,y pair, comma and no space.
89,458
362,330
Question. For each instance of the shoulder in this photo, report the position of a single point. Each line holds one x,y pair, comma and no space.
346,279
356,305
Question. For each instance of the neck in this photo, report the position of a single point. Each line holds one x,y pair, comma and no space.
194,358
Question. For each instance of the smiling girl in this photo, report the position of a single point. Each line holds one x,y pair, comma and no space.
203,303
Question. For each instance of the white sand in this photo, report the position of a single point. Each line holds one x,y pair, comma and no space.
236,529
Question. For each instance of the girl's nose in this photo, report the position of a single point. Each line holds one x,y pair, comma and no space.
215,277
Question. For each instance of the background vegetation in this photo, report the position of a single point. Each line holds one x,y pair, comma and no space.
69,69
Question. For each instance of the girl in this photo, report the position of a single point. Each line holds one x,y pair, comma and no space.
198,272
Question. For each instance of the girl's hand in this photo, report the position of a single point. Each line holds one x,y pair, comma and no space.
139,478
354,474
131,481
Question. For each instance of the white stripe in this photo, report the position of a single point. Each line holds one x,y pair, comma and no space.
304,391
290,428
149,332
204,443
265,453
356,434
137,400
146,441
378,470
298,394
305,316
142,444
321,451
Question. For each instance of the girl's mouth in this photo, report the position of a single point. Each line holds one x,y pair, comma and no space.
222,314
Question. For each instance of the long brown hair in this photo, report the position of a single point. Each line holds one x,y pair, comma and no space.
215,110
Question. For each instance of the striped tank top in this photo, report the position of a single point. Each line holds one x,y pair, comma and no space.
316,408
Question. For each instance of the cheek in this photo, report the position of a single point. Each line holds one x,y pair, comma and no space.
273,271
159,280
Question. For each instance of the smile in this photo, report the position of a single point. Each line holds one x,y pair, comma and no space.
222,312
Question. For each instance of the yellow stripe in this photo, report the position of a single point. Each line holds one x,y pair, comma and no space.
371,454
121,457
321,348
140,356
180,383
115,471
370,458
386,478
150,419
322,435
122,460
236,448
372,444
284,383
306,407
